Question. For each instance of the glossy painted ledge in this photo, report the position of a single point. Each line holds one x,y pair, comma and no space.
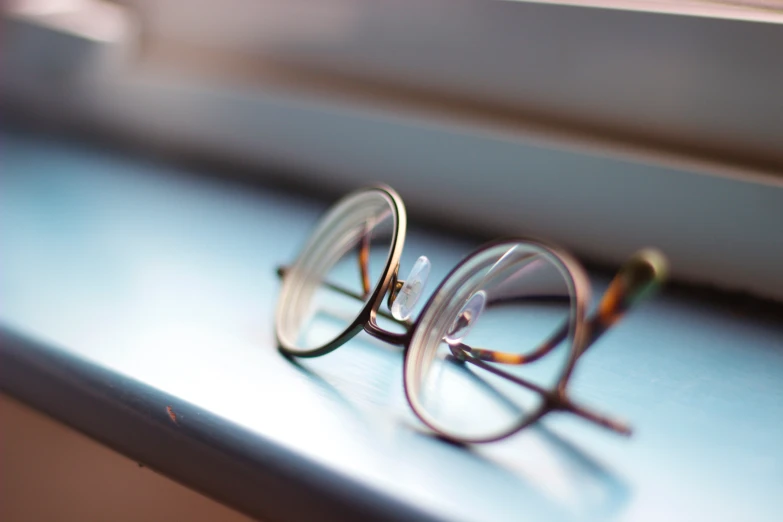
189,444
137,300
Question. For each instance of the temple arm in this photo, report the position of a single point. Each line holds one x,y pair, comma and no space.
637,278
364,262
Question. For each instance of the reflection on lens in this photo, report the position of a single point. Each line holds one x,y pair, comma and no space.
351,247
508,304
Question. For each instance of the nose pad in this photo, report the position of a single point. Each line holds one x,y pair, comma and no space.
411,289
466,318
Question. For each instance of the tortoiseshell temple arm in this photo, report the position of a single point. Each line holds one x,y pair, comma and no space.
512,358
364,262
642,274
638,279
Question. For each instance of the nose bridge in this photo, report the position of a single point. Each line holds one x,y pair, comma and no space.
398,339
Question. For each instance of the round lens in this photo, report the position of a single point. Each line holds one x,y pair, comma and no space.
339,271
493,339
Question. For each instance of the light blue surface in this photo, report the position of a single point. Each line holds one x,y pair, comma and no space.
171,281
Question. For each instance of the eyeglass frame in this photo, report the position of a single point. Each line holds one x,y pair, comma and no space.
617,299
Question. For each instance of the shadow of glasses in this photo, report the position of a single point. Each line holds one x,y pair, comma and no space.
541,462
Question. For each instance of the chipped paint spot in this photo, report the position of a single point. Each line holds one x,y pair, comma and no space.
172,415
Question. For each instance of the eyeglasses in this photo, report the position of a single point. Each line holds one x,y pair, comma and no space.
493,348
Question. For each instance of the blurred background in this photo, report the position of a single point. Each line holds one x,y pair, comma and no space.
603,126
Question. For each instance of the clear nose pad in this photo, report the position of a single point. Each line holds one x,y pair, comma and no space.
466,318
411,290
